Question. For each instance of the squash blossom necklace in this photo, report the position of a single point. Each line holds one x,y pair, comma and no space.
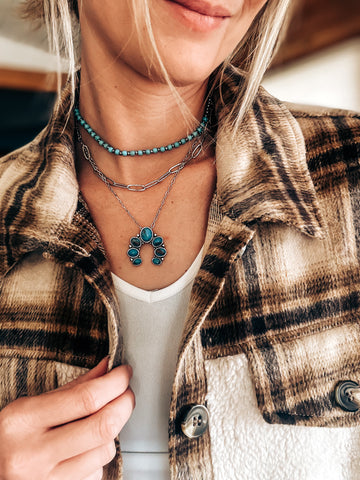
146,234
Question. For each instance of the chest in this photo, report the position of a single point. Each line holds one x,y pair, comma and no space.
179,216
289,304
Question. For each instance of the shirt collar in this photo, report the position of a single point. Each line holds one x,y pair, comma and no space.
262,172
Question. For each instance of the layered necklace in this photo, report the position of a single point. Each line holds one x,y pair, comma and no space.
146,234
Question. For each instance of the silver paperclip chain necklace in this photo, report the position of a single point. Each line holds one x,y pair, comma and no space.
135,187
146,235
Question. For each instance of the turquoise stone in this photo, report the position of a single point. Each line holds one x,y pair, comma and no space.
147,151
135,241
146,234
157,241
133,252
160,252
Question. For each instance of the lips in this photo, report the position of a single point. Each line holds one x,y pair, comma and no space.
204,8
198,16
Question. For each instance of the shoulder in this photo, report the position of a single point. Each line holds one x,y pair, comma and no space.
19,165
332,136
318,121
332,142
21,172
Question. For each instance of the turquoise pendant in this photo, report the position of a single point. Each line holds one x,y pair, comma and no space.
146,236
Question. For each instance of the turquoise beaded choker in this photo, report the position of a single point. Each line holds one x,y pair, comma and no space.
148,151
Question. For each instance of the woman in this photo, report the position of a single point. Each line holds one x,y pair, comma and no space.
243,358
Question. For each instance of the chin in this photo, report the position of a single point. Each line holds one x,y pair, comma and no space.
182,77
187,69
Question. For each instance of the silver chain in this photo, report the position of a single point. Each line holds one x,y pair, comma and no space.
194,152
135,187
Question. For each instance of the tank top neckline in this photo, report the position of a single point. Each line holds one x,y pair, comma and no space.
151,296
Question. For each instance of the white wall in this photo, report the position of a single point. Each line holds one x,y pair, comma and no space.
21,45
330,77
17,55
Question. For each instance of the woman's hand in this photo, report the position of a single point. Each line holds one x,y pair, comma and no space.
67,433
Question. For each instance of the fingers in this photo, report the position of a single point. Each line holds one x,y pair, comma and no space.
90,433
70,431
82,399
87,466
98,371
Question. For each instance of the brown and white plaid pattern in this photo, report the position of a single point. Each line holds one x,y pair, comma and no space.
279,280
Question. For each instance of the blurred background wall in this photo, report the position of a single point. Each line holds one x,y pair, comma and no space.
330,77
318,64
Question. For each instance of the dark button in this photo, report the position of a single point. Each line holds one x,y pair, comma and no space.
344,395
195,421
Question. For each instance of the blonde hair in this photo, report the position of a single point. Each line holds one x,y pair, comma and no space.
251,58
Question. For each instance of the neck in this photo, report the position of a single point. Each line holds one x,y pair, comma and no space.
132,112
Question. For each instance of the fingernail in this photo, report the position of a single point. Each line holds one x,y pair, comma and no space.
105,360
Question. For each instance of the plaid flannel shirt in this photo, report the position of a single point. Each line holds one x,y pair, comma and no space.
279,281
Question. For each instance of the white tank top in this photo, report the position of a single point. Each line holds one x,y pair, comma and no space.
152,324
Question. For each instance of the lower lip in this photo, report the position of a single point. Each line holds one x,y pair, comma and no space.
193,20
